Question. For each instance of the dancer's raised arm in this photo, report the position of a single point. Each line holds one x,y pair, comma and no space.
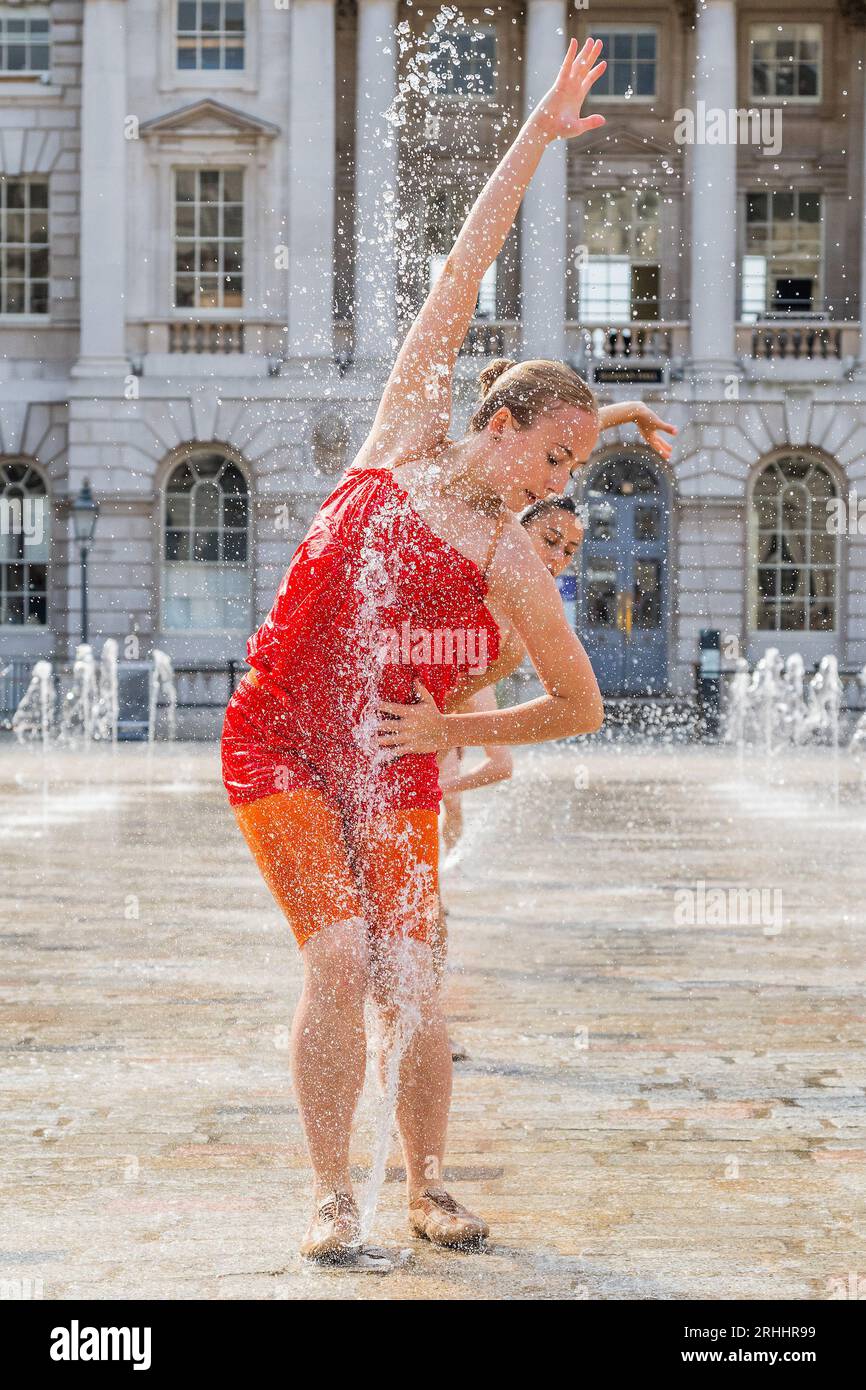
651,426
415,409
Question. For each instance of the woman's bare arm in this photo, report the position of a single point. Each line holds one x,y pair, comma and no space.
498,764
511,654
415,409
650,425
521,588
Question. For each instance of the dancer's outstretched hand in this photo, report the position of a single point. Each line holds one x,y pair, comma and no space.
559,111
418,728
652,427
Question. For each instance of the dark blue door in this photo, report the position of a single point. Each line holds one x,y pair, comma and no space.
623,604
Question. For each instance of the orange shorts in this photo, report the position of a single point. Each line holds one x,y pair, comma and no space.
323,869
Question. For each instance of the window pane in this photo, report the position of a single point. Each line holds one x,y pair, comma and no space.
203,253
178,509
645,80
205,545
235,547
176,545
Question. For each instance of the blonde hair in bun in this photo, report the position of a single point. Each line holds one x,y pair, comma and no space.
490,374
528,389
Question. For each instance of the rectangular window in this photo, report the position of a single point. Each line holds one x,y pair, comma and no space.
25,41
632,64
23,546
786,61
463,61
23,246
781,264
618,271
210,35
208,239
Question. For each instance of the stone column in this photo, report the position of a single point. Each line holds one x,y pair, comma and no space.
544,211
862,37
312,161
375,183
714,193
103,190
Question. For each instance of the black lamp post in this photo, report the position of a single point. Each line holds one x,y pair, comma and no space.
85,510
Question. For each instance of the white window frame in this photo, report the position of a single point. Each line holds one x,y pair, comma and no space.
27,75
196,81
746,254
630,259
435,260
28,316
616,98
195,311
160,290
186,456
17,628
772,98
223,33
754,599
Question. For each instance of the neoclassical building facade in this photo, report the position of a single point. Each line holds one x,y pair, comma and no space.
217,217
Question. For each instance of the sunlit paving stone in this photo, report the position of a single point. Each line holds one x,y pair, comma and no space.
657,978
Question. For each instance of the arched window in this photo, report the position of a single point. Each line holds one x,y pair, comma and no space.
23,545
795,556
206,577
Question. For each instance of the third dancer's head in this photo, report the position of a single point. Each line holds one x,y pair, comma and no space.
556,531
537,422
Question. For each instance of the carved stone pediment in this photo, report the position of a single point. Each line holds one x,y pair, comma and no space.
614,141
208,118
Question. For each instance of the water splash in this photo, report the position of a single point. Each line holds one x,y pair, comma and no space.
33,720
107,705
162,684
776,707
78,708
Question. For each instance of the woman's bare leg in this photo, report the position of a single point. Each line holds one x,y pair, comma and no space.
407,996
329,1048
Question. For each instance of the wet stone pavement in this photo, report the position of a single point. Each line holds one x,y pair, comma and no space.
656,970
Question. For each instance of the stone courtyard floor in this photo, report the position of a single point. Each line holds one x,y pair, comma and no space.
664,1090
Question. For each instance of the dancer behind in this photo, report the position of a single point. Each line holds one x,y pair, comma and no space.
556,530
332,775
